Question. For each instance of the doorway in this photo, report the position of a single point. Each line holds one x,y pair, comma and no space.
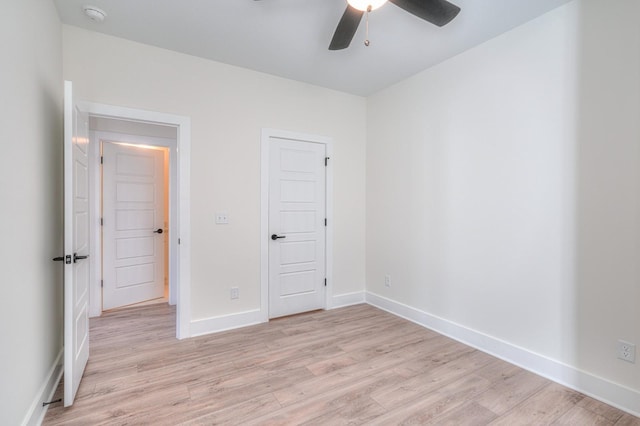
167,131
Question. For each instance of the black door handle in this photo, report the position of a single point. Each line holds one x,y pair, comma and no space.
276,237
76,257
158,231
66,259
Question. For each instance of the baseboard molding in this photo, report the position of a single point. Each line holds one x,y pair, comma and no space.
596,387
347,299
242,319
226,322
36,412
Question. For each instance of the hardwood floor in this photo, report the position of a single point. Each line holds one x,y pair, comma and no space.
355,365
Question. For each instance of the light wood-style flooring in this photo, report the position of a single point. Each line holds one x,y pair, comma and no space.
354,365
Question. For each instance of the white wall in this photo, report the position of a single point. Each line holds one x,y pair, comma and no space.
31,197
503,189
132,128
228,107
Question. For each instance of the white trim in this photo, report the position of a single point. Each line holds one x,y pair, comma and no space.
35,414
596,387
183,126
225,322
347,299
264,226
329,231
244,319
264,213
95,233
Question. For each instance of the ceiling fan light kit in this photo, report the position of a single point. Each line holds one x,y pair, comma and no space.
436,12
366,5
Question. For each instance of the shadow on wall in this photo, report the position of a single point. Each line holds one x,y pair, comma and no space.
52,218
607,188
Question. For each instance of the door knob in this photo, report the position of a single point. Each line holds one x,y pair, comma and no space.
276,237
158,231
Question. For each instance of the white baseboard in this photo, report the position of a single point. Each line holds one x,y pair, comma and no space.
36,412
226,322
242,319
346,299
596,387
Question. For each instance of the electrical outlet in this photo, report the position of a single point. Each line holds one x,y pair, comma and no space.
626,351
222,218
387,280
235,293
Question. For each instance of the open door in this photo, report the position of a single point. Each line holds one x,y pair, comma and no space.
76,244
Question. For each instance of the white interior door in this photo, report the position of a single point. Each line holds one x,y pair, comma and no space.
133,224
76,244
297,212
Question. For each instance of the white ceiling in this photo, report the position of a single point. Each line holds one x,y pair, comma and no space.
289,38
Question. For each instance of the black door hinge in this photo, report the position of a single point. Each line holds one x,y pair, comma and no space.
101,283
101,222
101,159
326,161
325,282
325,221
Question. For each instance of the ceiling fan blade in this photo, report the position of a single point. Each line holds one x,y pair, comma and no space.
346,29
438,12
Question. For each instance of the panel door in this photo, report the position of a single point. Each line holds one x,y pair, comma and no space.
133,224
76,244
297,200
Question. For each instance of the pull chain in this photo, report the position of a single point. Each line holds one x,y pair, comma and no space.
366,40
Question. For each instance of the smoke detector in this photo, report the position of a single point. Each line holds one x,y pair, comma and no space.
94,13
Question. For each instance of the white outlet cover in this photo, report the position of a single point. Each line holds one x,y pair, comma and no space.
235,292
222,218
626,351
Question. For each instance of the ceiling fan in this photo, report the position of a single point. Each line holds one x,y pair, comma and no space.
437,12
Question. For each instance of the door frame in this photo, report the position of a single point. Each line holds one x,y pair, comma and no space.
181,243
98,138
266,136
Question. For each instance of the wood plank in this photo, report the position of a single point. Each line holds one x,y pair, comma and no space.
468,414
544,407
354,365
583,417
628,420
424,407
342,405
511,388
600,408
